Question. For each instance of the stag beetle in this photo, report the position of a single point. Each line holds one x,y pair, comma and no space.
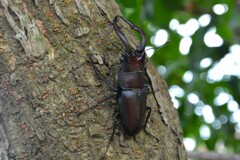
132,89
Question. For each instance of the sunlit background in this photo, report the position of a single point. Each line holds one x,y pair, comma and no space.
227,66
209,122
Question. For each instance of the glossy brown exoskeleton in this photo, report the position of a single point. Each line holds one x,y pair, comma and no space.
132,89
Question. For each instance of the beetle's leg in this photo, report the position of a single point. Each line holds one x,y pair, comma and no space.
142,45
121,35
99,75
145,124
154,95
116,119
149,110
95,105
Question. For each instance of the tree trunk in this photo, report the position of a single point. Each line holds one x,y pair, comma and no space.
46,79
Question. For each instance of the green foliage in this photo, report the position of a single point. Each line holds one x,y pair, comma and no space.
152,15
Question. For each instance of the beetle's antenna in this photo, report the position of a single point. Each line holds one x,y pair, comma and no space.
158,46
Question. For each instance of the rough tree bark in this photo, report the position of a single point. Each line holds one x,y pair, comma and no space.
46,79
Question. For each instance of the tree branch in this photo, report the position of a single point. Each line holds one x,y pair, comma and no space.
213,156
